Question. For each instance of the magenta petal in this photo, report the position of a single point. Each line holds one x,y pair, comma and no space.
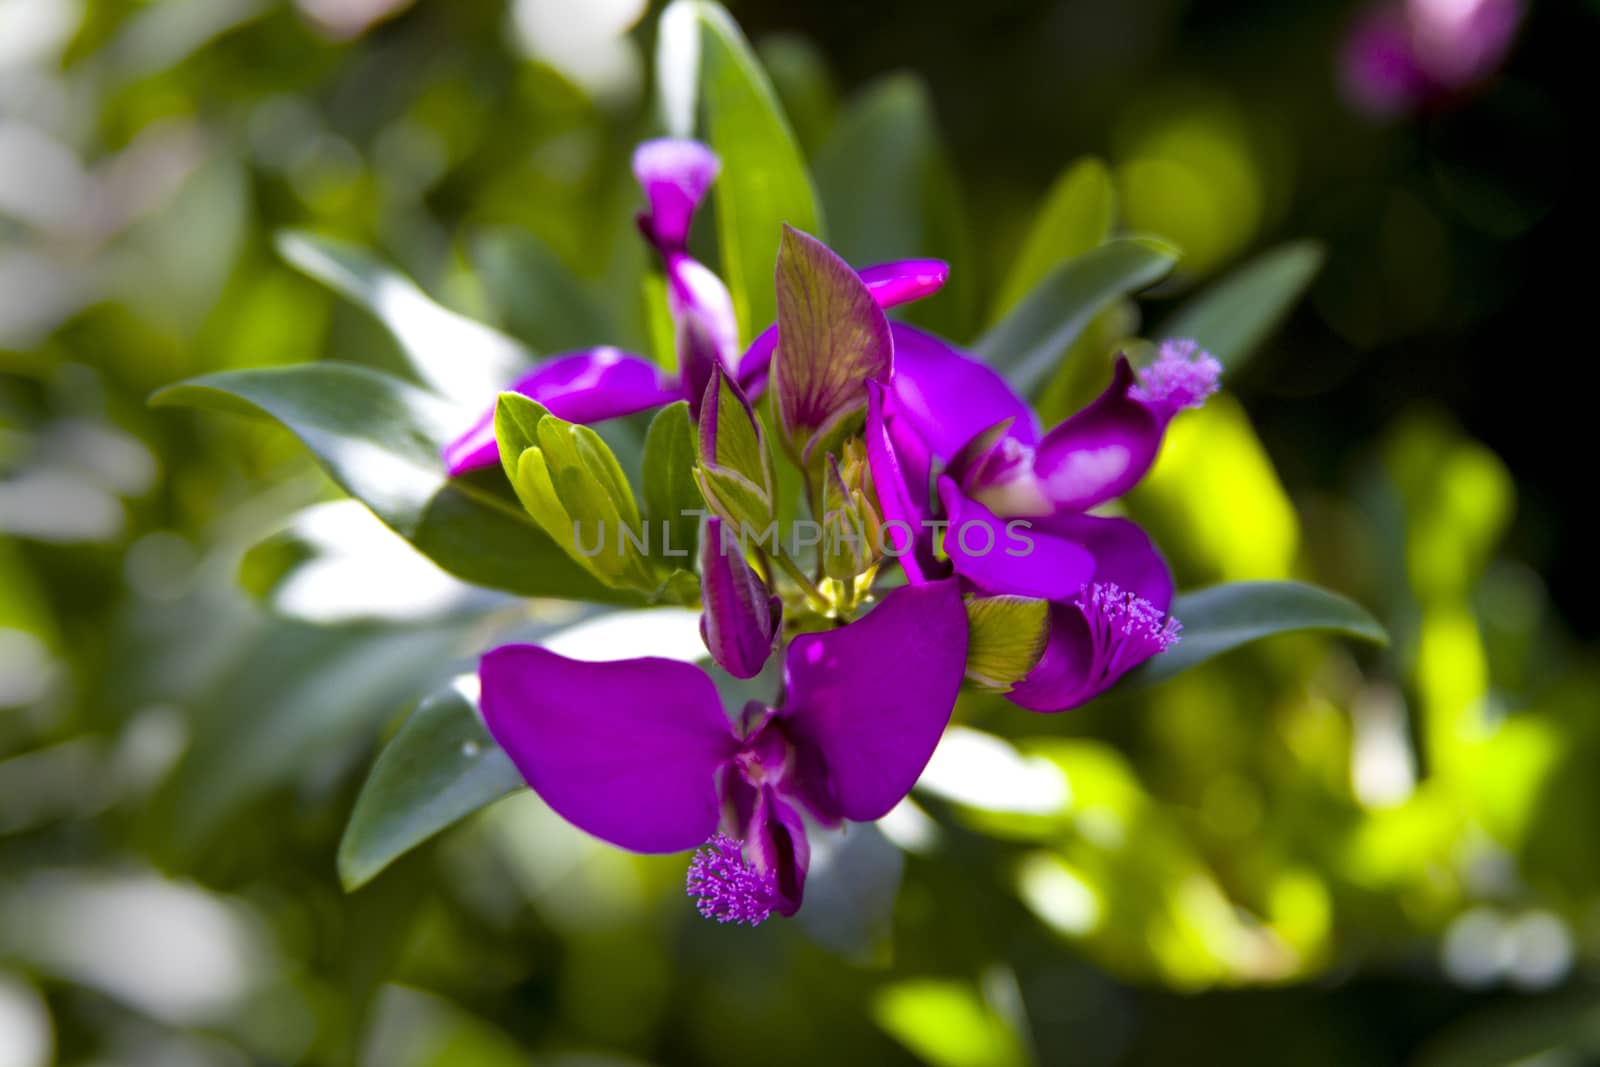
867,703
1123,554
900,468
628,751
589,386
1014,557
951,397
1102,451
741,614
901,281
778,847
675,175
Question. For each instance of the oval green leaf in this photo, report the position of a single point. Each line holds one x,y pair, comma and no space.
1224,617
439,768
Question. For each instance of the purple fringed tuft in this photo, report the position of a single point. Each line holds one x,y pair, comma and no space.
725,887
1126,629
1178,379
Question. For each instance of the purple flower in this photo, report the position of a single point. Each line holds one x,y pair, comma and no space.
1407,55
1016,502
605,383
639,752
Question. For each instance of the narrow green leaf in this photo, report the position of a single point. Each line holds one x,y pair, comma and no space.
1078,213
763,183
1231,318
379,438
455,356
1026,345
1005,637
441,767
1224,617
670,494
535,296
889,192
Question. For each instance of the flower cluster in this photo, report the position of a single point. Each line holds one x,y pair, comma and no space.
909,454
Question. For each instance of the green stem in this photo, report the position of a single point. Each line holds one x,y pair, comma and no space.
809,587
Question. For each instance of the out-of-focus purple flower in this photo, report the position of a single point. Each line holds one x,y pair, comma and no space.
1408,55
1015,502
640,754
605,383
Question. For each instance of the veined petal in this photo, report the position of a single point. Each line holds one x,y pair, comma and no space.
951,397
628,751
1010,557
833,339
674,174
891,284
867,703
588,386
741,614
1102,451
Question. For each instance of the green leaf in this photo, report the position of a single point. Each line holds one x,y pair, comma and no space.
1077,215
948,1024
670,494
731,437
1026,345
1224,617
1232,318
535,296
455,356
439,768
889,193
835,339
734,498
763,183
592,492
516,429
379,438
1005,637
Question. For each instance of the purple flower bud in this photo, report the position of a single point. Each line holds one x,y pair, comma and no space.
741,614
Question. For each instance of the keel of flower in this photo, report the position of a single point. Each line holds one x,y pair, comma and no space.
1181,377
727,888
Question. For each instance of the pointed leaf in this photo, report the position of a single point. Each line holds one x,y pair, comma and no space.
1231,318
1224,617
1026,345
764,183
440,768
516,426
457,357
379,438
671,498
1078,213
832,339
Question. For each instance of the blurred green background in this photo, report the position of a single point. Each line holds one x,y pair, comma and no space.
1301,853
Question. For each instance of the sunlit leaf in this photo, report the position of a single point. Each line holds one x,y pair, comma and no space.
948,1024
763,183
1026,345
1077,215
440,767
380,439
457,357
1231,318
1224,617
